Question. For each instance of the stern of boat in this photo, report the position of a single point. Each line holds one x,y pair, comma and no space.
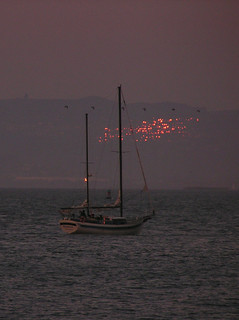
69,226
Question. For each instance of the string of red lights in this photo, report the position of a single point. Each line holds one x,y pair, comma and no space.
153,130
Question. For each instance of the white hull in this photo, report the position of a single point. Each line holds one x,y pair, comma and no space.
72,226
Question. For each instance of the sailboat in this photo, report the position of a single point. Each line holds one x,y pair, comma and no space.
82,219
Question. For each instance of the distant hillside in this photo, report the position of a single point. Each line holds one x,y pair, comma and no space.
181,146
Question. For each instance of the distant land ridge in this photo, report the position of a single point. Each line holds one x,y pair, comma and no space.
43,138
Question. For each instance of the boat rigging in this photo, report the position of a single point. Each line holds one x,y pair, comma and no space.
76,220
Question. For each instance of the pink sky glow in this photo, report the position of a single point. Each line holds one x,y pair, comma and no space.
182,51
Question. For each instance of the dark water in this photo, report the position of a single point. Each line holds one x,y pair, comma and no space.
184,264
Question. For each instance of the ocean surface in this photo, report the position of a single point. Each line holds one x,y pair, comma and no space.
183,265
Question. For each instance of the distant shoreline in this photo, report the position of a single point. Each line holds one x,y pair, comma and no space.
207,188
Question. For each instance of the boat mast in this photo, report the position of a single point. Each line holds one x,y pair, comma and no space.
87,166
120,154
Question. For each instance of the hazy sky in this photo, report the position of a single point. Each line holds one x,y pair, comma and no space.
163,50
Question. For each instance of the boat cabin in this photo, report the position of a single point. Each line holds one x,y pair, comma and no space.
119,220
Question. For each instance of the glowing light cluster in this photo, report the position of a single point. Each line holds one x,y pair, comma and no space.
153,130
